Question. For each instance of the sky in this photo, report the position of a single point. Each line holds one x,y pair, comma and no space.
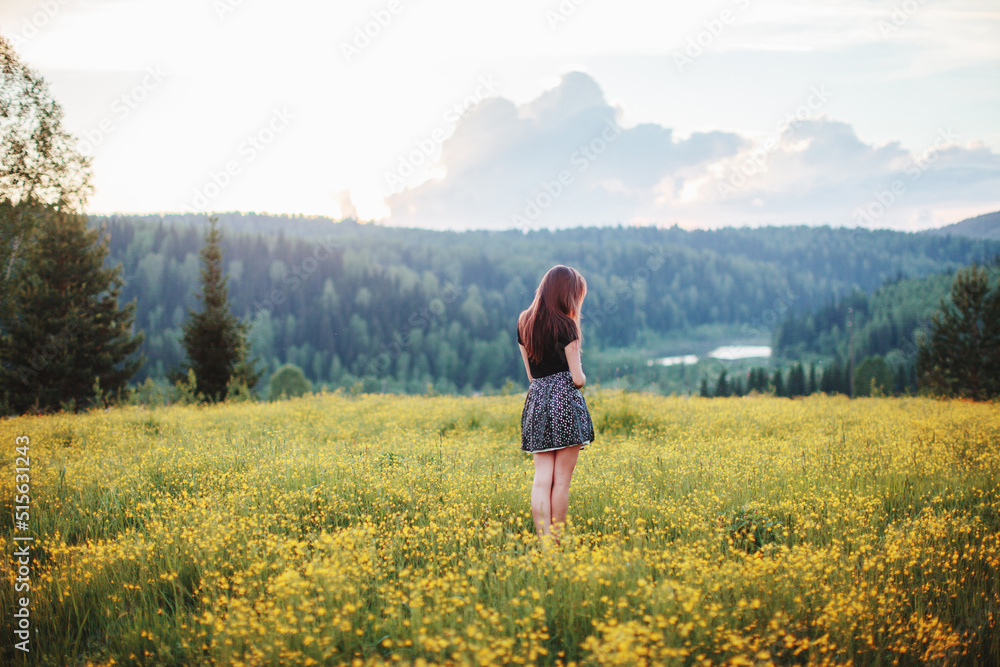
523,114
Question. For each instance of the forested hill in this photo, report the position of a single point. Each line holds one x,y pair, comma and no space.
345,300
884,323
980,227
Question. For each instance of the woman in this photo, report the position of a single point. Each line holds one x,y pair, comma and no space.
555,422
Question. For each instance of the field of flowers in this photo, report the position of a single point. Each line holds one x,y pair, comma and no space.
371,529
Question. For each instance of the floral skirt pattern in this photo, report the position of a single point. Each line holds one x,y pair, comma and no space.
555,415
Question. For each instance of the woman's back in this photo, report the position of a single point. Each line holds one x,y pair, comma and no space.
554,358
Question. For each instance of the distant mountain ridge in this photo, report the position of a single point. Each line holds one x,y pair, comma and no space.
986,226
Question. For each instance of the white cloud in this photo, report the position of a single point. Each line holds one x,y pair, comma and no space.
357,120
503,167
839,179
565,146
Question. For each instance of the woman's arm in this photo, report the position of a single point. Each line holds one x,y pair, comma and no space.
527,366
575,365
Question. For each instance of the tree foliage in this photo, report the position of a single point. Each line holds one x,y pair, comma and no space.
214,339
722,385
961,357
885,322
65,329
400,308
797,380
289,380
874,377
40,165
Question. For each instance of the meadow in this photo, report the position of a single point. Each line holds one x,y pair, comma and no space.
376,529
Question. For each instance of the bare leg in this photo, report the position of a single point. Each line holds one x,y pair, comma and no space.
565,461
541,492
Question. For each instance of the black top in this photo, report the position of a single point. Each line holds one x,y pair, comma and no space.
553,361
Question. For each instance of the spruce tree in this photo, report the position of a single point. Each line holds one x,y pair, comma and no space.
722,386
779,385
65,331
797,380
835,377
214,339
873,372
962,355
827,383
991,344
903,372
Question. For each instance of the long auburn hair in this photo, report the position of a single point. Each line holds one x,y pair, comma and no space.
554,314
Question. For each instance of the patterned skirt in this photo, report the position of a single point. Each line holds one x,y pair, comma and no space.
555,415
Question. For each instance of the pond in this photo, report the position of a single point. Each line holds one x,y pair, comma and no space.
728,352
